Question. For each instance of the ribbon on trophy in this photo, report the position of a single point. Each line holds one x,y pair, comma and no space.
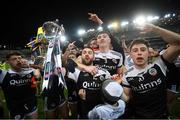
38,44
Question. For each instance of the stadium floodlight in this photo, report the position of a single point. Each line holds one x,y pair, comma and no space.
124,23
63,38
150,18
167,16
81,32
140,20
90,30
109,26
113,25
100,28
156,17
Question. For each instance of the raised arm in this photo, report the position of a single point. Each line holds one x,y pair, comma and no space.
167,35
126,94
93,17
172,38
123,44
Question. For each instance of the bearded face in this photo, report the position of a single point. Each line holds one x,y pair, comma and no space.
15,62
87,56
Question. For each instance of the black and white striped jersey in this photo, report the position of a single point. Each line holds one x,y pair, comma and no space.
110,60
18,87
148,88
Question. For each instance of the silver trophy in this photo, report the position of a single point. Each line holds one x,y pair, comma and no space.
52,30
53,63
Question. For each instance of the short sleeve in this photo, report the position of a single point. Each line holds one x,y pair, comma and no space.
120,61
74,76
125,83
162,64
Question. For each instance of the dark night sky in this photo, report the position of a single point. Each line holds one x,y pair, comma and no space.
20,20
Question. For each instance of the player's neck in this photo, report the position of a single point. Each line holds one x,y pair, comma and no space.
141,66
104,49
16,69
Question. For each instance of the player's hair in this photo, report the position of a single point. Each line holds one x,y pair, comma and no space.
13,53
139,41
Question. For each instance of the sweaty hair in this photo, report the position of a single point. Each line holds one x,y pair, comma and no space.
13,53
139,41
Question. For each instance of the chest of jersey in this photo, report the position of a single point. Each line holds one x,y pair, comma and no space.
109,64
21,84
147,81
15,80
87,81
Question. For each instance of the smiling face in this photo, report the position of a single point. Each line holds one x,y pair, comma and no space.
87,56
139,53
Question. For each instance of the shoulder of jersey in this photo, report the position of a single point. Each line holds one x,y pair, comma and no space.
96,52
116,53
3,71
27,71
129,70
11,71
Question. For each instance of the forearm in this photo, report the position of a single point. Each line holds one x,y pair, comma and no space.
168,36
124,97
81,66
99,21
124,46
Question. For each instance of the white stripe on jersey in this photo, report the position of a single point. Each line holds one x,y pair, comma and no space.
74,76
23,71
133,72
110,55
101,71
10,71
